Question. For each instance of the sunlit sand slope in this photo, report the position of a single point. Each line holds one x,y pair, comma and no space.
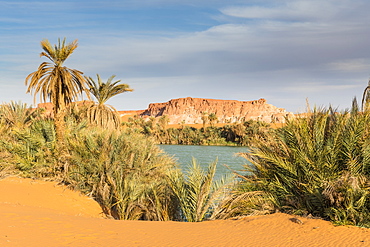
37,213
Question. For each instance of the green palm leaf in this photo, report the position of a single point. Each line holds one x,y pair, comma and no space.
99,113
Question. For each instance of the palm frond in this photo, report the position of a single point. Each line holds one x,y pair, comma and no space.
317,164
197,193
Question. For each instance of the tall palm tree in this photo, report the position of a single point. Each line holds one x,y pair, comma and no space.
100,113
55,82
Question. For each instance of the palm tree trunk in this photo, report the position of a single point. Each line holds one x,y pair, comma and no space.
62,150
60,125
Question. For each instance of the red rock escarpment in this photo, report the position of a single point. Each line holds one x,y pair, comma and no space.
190,110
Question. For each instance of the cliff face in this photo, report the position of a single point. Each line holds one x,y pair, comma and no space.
190,110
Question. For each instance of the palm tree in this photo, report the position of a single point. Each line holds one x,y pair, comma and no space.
100,113
204,119
366,97
17,114
197,191
212,117
163,122
54,82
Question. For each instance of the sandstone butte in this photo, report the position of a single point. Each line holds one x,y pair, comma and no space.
190,111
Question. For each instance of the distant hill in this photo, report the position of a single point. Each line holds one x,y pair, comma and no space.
190,111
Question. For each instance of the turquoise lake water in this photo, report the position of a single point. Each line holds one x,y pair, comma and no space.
226,155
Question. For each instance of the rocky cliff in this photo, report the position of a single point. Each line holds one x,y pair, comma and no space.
190,110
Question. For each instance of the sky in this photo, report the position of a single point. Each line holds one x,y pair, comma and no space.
287,51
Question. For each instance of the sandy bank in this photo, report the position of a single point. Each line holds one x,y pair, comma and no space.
38,213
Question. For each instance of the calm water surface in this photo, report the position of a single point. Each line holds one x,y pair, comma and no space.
206,154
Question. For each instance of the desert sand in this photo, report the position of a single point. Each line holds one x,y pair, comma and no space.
39,213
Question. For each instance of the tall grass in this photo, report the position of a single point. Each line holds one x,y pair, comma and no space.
318,164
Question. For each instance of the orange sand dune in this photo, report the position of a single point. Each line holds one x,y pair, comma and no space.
37,213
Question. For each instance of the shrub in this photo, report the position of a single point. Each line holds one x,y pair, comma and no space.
197,192
125,173
318,164
32,149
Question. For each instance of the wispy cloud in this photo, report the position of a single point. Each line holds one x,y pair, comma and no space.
351,65
298,10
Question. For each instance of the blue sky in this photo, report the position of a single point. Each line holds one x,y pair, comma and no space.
283,51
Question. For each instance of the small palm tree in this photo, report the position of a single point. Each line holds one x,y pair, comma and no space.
54,82
163,121
212,117
197,192
17,114
100,113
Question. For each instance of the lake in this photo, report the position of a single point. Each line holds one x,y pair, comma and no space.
206,154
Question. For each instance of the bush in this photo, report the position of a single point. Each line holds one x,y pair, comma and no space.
125,173
318,164
31,150
197,192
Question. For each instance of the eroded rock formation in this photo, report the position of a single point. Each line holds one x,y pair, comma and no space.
190,110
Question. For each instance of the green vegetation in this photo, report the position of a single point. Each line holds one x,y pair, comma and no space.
317,164
99,113
197,193
55,82
83,146
125,173
237,134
